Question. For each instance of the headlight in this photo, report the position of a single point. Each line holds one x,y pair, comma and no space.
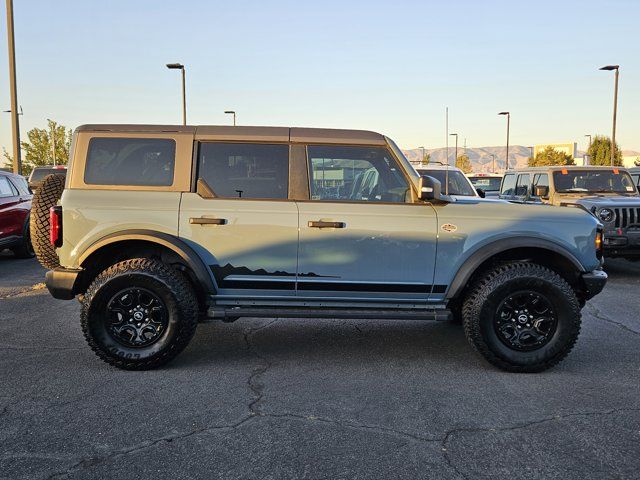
606,215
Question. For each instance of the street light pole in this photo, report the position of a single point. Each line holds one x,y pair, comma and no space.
422,158
179,66
508,122
15,123
232,112
493,160
615,107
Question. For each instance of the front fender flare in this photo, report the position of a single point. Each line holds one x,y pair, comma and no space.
485,252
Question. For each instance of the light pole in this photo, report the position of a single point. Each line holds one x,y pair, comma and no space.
422,158
508,122
531,152
179,66
615,107
456,158
15,123
589,148
493,160
232,112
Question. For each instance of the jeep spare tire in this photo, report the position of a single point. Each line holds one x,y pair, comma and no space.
46,196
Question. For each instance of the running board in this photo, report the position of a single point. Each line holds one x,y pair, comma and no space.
221,313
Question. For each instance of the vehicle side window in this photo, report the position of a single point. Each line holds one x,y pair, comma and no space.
522,187
130,161
245,170
21,185
366,174
539,180
14,187
6,189
508,185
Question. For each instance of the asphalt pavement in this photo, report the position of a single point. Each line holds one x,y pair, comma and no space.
335,399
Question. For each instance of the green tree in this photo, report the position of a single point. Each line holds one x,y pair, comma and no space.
39,149
464,164
550,156
426,158
600,152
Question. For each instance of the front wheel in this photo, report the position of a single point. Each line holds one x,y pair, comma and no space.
139,314
522,317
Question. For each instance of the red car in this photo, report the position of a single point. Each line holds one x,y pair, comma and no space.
15,206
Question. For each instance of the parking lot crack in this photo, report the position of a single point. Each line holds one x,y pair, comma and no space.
256,388
447,438
146,445
595,311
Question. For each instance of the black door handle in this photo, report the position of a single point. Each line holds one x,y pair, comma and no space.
321,224
207,221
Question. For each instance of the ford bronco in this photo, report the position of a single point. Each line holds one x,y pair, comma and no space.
608,193
160,226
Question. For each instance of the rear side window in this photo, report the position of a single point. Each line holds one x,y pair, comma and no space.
508,185
130,161
245,170
6,189
522,187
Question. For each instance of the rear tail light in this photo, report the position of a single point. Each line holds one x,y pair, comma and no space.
55,226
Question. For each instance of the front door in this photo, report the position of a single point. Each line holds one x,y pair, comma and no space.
241,221
361,238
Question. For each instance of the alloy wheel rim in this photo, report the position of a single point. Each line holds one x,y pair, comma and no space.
137,317
525,321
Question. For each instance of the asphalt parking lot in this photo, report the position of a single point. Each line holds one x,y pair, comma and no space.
280,398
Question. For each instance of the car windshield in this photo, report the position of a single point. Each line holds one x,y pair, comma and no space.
458,183
593,181
488,184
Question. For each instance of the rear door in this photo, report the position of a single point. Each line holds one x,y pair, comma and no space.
11,217
361,237
240,218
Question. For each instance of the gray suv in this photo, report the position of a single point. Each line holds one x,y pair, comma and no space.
157,227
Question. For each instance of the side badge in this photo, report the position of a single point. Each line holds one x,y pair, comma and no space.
449,227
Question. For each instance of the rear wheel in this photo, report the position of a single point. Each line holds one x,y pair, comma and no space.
139,314
45,197
522,317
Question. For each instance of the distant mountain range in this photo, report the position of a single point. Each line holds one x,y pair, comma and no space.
481,158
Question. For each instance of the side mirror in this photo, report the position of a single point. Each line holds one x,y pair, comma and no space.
429,188
481,193
541,191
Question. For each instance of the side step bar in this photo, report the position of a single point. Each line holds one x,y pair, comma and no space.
220,313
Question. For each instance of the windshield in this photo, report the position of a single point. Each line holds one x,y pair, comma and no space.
593,181
488,184
458,183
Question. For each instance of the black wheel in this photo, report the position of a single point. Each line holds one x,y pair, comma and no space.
45,197
25,249
139,314
522,317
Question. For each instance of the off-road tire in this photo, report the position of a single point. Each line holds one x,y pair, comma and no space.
45,197
168,284
480,308
25,249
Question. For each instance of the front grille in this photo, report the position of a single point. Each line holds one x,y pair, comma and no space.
627,216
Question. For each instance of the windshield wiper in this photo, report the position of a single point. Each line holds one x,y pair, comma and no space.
575,190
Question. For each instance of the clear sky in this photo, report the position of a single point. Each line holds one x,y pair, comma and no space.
387,66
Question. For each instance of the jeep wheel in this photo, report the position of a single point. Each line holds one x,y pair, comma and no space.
139,314
522,317
45,197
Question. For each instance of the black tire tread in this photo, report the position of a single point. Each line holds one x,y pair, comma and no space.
492,279
45,197
185,299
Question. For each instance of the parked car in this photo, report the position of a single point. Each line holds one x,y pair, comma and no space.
164,225
15,205
459,184
39,173
608,193
489,183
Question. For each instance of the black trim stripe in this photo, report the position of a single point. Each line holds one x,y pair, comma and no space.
364,287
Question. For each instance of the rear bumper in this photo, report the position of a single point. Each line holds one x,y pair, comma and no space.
593,282
62,282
